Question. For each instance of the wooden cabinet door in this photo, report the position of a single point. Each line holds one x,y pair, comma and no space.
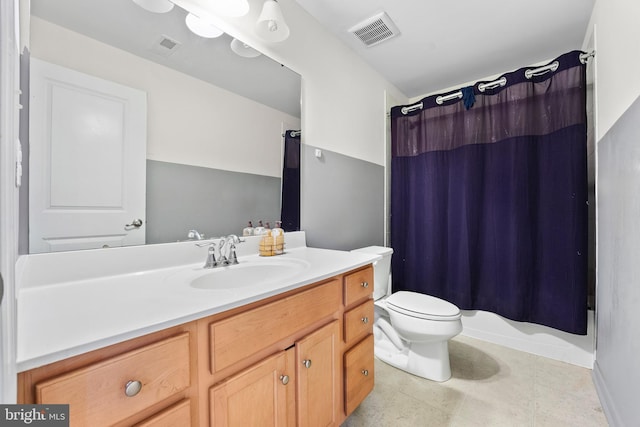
262,395
317,356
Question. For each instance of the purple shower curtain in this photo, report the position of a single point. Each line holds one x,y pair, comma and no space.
290,206
488,205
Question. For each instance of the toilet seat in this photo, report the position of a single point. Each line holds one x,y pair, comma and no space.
422,306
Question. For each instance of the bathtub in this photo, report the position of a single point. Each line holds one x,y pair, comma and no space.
536,339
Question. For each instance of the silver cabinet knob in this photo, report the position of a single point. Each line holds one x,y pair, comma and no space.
365,372
306,363
365,284
132,388
284,379
365,320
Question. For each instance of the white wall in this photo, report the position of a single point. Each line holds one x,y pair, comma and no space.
618,63
616,37
343,106
343,112
189,121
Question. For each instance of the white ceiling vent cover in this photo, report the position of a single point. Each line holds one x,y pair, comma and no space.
165,45
375,30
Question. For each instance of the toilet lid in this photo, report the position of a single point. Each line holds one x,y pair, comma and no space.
422,306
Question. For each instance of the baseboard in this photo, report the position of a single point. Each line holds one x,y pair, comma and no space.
606,401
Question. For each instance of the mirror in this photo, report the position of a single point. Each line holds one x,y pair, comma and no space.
214,119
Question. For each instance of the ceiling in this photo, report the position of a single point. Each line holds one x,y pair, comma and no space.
125,25
445,43
441,44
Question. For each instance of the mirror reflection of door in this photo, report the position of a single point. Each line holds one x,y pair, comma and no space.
84,131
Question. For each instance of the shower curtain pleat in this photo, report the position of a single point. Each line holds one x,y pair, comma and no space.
488,206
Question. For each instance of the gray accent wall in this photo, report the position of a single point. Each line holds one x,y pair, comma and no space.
214,202
617,370
23,203
342,200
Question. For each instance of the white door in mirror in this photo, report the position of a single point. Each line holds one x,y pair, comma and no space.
84,131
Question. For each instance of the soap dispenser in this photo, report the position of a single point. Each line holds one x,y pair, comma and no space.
248,230
266,245
259,230
278,238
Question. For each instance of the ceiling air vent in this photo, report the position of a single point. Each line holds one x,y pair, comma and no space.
165,45
375,30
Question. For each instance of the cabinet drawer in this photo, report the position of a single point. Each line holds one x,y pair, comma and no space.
176,415
359,373
96,393
358,321
240,336
358,285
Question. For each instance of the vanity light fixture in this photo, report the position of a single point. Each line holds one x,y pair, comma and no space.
231,8
271,25
155,6
201,27
243,49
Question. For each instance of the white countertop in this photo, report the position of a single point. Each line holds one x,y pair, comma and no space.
73,313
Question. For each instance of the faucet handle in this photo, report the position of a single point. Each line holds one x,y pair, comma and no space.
211,257
233,258
234,239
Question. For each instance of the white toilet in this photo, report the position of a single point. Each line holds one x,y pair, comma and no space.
411,330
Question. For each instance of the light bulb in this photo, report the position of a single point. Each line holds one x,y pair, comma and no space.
271,25
155,6
201,27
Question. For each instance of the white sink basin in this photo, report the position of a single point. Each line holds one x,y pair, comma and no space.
247,273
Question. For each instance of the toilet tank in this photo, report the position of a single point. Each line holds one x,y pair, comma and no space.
381,270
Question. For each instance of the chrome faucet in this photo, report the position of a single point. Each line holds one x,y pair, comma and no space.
229,243
223,260
194,235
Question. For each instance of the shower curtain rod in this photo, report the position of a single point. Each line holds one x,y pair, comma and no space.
584,57
293,133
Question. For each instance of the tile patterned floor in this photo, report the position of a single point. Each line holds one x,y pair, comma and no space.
490,386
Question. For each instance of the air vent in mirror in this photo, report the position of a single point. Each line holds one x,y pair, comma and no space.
165,45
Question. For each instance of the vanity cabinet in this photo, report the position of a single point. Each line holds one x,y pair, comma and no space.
144,381
298,386
318,379
358,373
176,415
293,359
303,329
358,286
260,395
241,339
358,337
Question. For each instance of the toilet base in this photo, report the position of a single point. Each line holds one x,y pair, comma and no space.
426,360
